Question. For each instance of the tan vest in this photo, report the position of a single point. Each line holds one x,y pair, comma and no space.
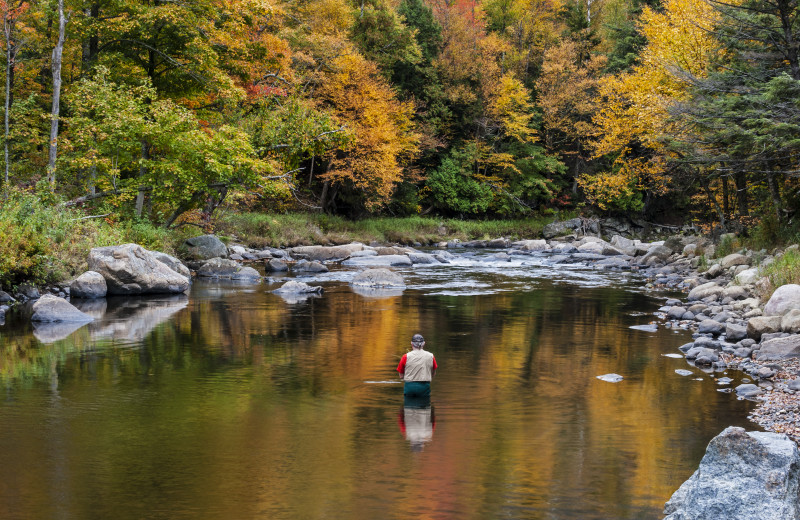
419,366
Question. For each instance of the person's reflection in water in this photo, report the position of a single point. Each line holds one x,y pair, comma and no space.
417,421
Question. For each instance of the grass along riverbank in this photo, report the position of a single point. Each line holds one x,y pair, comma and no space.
43,242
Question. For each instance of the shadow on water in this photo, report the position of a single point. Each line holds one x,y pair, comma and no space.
235,403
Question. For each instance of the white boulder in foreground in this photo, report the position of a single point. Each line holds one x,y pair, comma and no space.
51,308
785,298
132,269
743,476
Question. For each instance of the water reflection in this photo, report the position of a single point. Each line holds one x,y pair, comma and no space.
232,404
417,421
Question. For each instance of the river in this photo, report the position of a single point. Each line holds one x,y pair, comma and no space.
235,403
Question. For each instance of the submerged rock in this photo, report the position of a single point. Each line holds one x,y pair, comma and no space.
743,476
610,378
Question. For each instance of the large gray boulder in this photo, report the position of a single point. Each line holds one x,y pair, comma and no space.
378,278
778,349
743,476
131,269
626,245
173,263
206,247
656,253
748,276
734,259
226,268
790,322
51,308
784,299
760,325
326,252
89,285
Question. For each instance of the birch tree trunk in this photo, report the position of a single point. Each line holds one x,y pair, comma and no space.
57,53
7,29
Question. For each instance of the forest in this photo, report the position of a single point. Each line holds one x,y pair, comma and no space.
162,110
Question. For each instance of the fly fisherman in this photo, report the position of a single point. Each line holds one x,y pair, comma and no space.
417,368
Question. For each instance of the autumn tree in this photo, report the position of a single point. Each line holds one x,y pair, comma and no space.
367,171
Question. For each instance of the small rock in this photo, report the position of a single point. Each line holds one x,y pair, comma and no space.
610,378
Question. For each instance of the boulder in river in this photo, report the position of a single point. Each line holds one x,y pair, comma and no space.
131,269
326,252
293,286
379,261
743,476
206,247
784,299
89,285
531,245
305,266
378,278
276,265
51,308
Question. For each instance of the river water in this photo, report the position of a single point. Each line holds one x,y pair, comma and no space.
235,403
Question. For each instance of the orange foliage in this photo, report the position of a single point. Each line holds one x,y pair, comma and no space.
384,139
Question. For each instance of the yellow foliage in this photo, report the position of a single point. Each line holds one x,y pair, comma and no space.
619,190
384,140
511,106
634,108
566,92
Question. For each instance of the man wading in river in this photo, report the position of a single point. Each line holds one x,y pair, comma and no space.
417,369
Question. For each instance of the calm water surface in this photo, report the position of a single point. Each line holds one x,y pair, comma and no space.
234,403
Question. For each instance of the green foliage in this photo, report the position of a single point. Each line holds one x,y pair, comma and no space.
727,245
454,188
113,125
276,230
784,270
381,35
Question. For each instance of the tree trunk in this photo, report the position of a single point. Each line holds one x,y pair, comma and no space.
774,192
741,194
142,171
90,46
54,115
710,194
8,28
725,205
